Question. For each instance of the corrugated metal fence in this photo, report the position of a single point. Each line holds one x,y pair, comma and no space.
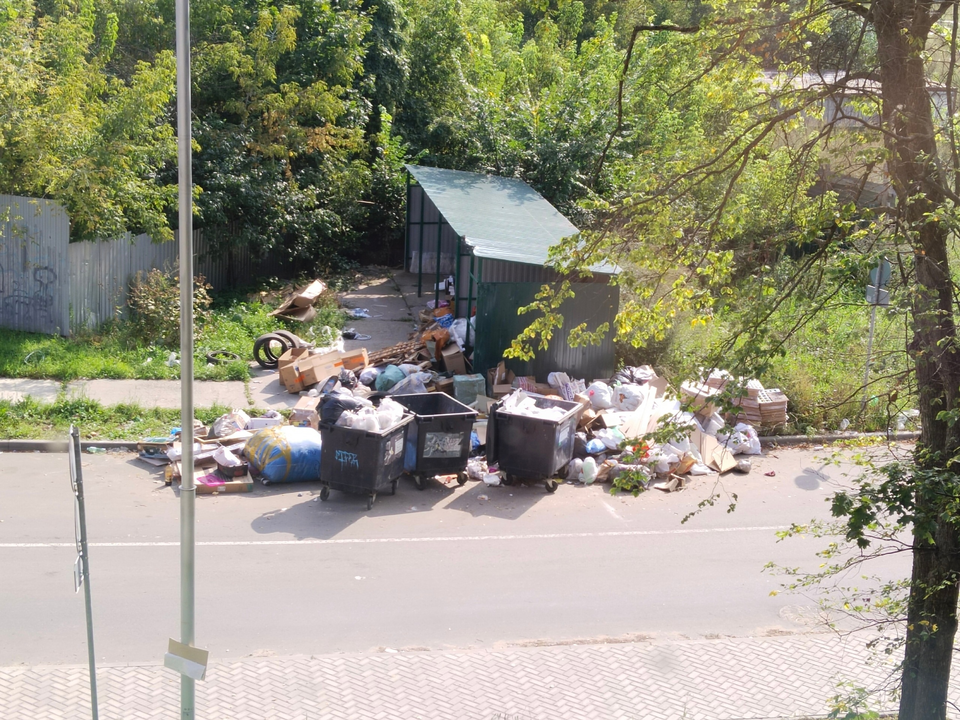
50,285
101,272
33,265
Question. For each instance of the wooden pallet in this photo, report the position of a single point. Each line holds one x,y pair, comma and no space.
405,352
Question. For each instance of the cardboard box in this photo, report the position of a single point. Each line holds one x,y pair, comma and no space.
500,391
213,482
305,418
319,368
445,385
500,375
453,359
700,398
258,423
291,377
355,360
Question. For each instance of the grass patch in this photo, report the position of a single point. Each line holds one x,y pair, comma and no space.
30,419
114,352
821,368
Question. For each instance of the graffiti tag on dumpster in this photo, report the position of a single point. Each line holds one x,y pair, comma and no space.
347,459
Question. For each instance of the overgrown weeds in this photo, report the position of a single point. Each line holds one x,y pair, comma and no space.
117,350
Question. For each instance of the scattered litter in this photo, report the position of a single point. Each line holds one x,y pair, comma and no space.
744,466
358,313
482,497
772,473
491,480
96,450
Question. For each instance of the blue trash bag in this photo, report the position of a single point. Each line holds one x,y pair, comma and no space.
284,453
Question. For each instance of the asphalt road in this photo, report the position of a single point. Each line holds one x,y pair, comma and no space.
279,572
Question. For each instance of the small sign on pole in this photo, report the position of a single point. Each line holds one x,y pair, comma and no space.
876,295
186,660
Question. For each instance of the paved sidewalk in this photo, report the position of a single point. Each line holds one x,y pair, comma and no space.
773,677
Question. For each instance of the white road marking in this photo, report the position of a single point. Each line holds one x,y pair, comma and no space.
371,541
612,510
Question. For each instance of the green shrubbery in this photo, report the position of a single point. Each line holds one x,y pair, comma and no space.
122,350
820,368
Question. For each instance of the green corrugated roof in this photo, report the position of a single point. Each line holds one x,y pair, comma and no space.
501,218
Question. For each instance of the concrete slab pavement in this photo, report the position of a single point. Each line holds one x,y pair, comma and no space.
722,679
15,389
159,393
391,320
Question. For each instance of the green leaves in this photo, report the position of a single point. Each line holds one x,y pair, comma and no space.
72,132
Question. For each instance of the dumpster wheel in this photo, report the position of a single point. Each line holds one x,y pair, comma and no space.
393,487
550,485
370,501
418,479
462,477
324,492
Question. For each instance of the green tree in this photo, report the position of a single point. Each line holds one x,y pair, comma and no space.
759,142
72,132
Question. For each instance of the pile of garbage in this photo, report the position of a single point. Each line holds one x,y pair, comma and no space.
219,451
616,417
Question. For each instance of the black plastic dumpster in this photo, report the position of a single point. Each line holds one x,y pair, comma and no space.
438,441
361,461
530,447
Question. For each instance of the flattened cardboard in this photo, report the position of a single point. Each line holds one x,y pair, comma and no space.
308,295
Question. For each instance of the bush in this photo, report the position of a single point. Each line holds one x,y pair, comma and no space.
154,303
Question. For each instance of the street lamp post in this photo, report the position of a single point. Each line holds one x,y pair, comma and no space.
188,492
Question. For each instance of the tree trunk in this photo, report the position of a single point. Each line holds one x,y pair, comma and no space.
902,29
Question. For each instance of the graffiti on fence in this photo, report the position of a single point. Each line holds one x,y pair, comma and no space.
29,303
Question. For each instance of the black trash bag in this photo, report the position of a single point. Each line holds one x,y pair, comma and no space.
334,405
348,379
580,445
629,375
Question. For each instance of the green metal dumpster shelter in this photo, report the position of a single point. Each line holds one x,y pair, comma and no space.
493,235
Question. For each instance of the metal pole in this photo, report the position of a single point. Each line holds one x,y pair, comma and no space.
470,298
866,371
436,288
187,488
406,225
423,201
456,282
85,569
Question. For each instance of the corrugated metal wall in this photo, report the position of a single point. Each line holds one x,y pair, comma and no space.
101,272
498,324
34,235
423,223
50,285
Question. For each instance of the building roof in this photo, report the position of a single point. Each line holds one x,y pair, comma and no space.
500,218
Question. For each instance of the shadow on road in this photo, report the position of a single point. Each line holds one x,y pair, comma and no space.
310,517
507,502
810,479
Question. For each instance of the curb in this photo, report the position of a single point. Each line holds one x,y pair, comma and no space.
60,446
794,440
